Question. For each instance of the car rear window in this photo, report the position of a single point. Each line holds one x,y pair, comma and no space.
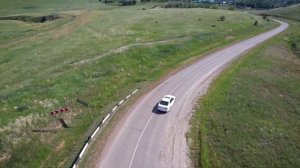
164,103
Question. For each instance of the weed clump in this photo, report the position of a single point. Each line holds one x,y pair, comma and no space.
22,107
232,8
222,18
255,23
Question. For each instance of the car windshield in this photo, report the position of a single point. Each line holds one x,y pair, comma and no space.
164,103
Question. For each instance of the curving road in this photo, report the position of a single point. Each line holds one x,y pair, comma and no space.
148,139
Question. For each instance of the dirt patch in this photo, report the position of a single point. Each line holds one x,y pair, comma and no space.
60,146
32,19
229,37
4,156
80,19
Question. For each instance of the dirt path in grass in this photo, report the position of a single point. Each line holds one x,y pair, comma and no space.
80,18
127,47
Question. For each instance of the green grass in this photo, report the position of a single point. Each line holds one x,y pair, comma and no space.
291,12
250,116
38,74
32,6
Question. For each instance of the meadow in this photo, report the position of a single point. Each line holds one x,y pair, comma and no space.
290,12
250,116
95,53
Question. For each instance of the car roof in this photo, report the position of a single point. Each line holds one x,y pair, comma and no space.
167,98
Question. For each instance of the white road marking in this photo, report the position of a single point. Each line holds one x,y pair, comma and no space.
105,118
135,91
121,102
95,133
82,152
138,142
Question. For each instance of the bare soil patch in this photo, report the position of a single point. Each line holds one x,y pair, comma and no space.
34,19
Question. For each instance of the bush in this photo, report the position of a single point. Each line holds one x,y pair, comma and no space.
222,18
187,4
255,23
231,8
264,17
127,2
179,4
214,7
108,1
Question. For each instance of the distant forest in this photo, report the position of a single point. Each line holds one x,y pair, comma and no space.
258,4
266,4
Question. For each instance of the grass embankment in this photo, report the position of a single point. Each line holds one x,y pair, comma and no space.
250,117
38,72
291,12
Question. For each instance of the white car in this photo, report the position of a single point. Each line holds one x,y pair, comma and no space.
166,103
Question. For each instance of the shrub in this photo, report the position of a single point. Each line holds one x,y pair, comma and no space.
214,7
231,8
255,23
179,4
108,1
265,17
127,2
222,18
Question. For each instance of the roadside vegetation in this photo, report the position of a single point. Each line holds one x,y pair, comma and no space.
250,116
291,12
92,53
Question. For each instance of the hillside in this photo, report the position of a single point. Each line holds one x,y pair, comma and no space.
55,54
250,117
291,12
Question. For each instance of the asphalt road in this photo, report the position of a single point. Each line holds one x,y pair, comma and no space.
148,139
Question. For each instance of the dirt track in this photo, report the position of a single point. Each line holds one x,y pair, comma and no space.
148,138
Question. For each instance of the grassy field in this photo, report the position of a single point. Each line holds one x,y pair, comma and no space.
291,12
95,53
250,117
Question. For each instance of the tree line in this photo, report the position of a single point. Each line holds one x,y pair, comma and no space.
257,4
264,4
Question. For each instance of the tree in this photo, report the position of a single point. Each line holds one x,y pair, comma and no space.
266,4
127,2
